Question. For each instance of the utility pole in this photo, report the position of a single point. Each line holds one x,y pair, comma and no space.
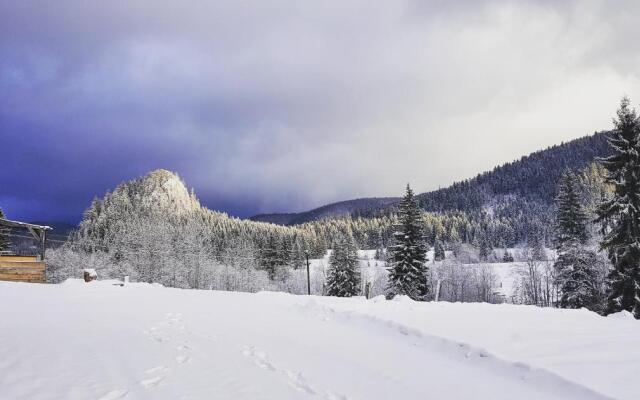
306,253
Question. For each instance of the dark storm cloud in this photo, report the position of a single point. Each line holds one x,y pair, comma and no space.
280,105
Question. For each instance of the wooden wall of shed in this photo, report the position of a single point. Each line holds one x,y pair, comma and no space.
22,269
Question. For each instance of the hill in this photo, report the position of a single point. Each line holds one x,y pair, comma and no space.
155,230
532,179
356,207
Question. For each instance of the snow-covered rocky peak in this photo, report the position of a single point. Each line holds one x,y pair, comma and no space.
162,189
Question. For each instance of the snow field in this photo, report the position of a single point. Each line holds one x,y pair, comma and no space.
100,341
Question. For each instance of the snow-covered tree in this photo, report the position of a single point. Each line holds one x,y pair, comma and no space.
485,248
271,256
535,243
576,274
4,235
458,282
577,277
571,220
408,255
621,214
343,275
438,250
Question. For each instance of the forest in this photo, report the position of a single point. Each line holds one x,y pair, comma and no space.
153,229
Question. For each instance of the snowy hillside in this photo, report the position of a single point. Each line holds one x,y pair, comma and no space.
140,341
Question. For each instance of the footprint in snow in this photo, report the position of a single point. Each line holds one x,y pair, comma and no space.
159,368
298,381
294,378
151,382
182,359
114,394
334,396
259,358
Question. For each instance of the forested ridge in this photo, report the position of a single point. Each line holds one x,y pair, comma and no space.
155,230
533,178
511,205
529,182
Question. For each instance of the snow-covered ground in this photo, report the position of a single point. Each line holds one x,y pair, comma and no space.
100,341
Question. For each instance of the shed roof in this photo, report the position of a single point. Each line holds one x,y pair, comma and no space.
17,224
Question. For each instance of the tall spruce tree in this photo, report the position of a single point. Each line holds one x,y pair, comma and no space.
408,255
4,235
271,256
485,248
343,275
576,275
536,243
571,220
621,214
438,250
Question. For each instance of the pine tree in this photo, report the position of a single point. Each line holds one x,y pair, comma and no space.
297,258
571,221
622,213
575,267
438,250
408,255
4,235
507,257
271,252
485,248
577,277
343,275
536,244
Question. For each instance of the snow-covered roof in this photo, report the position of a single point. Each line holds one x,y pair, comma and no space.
17,224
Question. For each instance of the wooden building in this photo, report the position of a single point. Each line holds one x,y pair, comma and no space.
25,268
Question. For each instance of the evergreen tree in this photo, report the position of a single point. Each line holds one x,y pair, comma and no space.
4,235
271,256
507,257
297,259
343,275
285,252
571,221
438,250
575,267
535,243
622,214
577,277
485,248
408,255
380,254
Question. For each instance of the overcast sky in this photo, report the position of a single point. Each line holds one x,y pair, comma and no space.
266,106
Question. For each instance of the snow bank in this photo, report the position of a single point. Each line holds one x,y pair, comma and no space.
599,353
